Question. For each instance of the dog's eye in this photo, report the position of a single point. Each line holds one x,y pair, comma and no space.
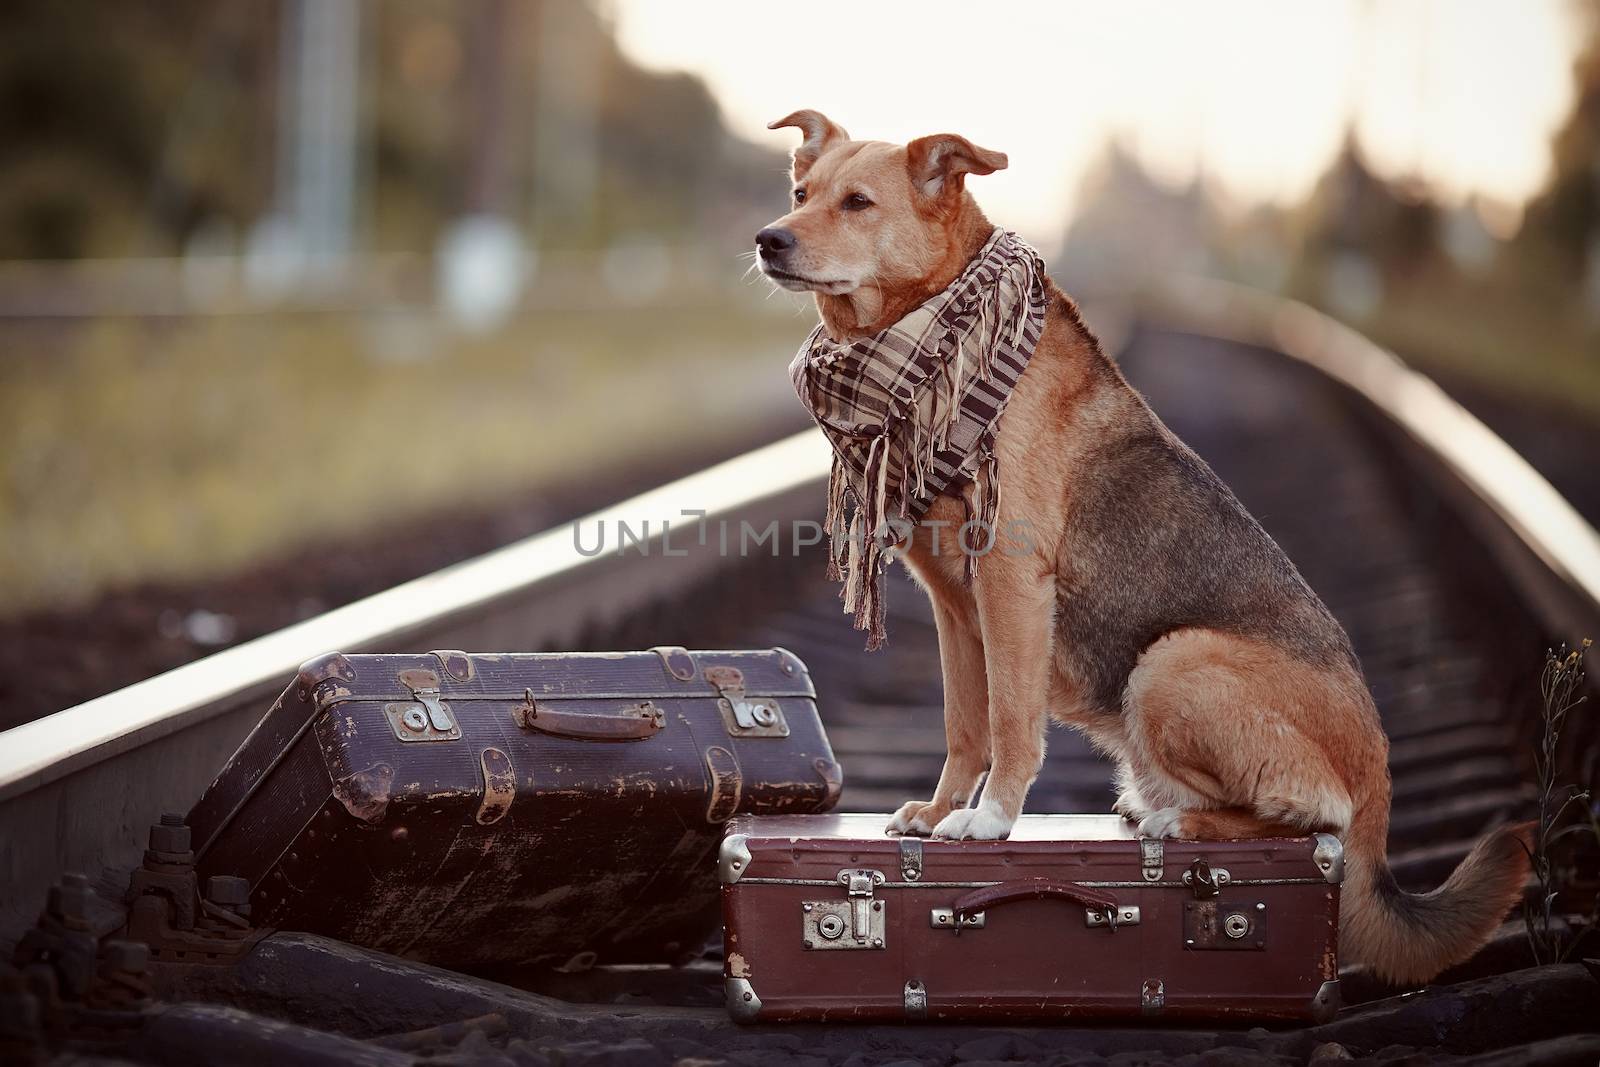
855,202
799,196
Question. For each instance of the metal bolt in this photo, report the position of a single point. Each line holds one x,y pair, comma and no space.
877,942
227,889
69,901
877,905
167,836
172,818
806,907
130,957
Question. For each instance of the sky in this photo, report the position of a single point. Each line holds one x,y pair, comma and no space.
1257,96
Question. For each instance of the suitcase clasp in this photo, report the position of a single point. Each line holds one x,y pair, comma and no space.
745,716
853,923
1205,880
427,719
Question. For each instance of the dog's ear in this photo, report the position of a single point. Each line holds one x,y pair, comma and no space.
821,132
938,163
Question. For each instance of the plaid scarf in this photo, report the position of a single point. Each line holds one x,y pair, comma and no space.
912,411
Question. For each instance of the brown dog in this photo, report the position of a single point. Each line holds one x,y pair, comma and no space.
1149,609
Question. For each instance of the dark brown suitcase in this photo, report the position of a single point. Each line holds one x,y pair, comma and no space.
485,811
1075,917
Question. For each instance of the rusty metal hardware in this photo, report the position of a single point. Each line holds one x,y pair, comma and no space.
425,718
1204,879
856,922
832,776
677,661
123,978
743,1004
1152,858
499,786
632,722
744,715
1125,915
1325,1005
457,664
1223,925
911,858
947,919
1152,996
167,913
60,949
733,857
230,893
916,1000
70,973
1329,857
727,784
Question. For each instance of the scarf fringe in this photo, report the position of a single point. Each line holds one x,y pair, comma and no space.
883,474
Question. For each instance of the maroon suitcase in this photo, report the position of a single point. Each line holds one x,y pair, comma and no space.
827,918
485,811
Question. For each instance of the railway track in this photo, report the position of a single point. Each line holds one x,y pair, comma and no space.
1451,566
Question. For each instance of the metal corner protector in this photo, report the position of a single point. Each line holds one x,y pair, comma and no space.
743,1004
1325,1005
733,859
1329,857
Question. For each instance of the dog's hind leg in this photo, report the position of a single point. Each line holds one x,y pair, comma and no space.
1223,742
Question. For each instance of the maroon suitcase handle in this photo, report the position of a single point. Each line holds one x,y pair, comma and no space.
635,722
992,896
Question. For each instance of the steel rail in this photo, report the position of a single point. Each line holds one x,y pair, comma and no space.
1547,547
65,796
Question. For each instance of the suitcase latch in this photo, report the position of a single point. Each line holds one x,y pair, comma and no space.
856,922
1206,880
745,716
1152,858
428,717
1225,925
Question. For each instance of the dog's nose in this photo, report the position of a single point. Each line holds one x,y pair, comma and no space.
774,241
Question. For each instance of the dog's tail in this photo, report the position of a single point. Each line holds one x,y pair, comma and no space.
1410,938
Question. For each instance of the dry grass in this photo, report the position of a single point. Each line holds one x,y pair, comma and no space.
1498,344
1561,690
148,449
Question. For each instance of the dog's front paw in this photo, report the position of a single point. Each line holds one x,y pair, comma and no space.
915,817
981,823
1166,822
1130,805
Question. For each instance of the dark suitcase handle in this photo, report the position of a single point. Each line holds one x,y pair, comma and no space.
635,722
991,896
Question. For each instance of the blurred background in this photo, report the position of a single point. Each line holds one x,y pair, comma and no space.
301,298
